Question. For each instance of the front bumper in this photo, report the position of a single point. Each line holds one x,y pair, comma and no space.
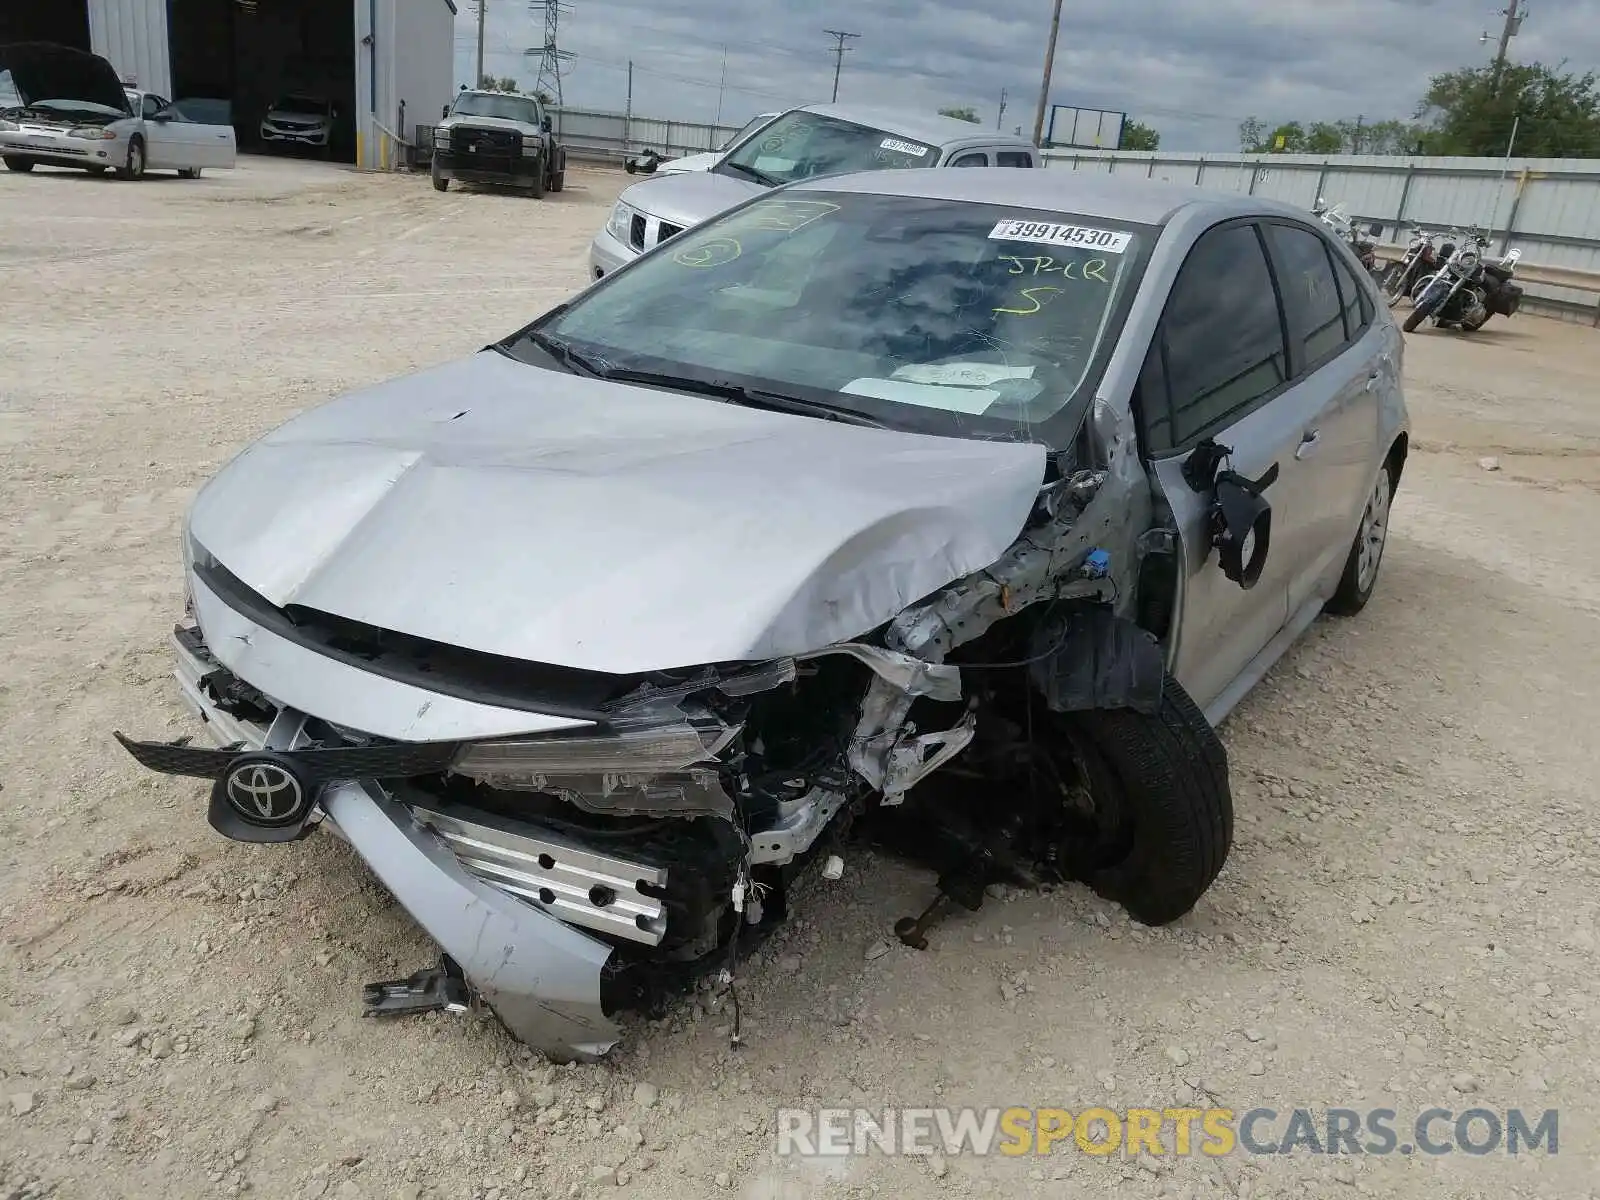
522,170
63,151
606,254
299,137
541,976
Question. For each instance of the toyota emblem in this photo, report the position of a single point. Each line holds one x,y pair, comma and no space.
264,792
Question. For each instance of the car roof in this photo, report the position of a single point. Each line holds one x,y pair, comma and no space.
934,129
1085,193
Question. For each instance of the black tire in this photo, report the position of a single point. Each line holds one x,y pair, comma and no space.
558,181
1418,315
536,188
1354,591
440,183
1165,776
96,170
134,167
15,162
189,173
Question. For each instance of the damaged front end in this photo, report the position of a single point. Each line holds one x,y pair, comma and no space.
566,875
581,843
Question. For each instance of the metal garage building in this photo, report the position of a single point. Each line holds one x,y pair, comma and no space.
386,64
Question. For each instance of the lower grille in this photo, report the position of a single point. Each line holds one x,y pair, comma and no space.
578,886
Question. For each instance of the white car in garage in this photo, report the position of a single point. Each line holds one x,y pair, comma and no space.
66,108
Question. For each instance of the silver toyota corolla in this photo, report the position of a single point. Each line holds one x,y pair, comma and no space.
952,508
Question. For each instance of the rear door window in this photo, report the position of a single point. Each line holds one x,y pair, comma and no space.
1013,158
1311,298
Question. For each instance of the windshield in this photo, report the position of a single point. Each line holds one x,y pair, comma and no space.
800,145
507,108
925,314
310,105
750,127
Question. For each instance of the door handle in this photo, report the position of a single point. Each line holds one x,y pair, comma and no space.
1308,443
1374,380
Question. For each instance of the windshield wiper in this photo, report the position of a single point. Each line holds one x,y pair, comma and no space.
759,176
563,354
746,397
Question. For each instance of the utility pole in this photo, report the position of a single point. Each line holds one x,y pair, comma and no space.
627,116
722,84
1001,115
1049,62
1515,13
1355,142
477,81
838,56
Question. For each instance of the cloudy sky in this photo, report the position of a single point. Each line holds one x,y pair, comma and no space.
1193,70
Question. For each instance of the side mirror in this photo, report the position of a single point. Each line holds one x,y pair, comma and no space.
546,125
1241,517
162,117
1376,229
445,112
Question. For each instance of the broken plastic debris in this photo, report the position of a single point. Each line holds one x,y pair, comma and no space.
833,868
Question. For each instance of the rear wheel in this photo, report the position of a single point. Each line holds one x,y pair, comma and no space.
558,181
15,162
1366,552
188,172
1159,819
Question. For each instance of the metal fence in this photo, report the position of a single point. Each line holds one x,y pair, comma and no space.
1549,208
594,133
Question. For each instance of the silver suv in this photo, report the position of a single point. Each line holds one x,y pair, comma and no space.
804,143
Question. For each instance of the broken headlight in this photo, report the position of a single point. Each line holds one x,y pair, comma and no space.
661,747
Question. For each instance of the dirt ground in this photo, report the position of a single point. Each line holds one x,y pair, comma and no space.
1408,919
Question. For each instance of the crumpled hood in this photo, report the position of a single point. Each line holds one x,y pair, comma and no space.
689,197
560,519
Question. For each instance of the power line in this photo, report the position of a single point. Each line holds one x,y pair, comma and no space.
838,55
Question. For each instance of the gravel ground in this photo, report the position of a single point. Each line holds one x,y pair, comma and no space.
1408,919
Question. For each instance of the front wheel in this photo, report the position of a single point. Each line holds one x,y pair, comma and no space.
1394,283
440,183
1162,819
15,162
1420,313
134,167
536,187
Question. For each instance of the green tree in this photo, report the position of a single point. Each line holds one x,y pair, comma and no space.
506,83
1139,136
1470,112
960,114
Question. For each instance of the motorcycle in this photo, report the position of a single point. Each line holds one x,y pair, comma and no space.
1467,290
1363,241
1421,258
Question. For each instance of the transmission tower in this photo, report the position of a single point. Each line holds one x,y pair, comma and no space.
552,59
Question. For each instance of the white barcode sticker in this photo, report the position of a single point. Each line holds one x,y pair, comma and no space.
1046,233
900,147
